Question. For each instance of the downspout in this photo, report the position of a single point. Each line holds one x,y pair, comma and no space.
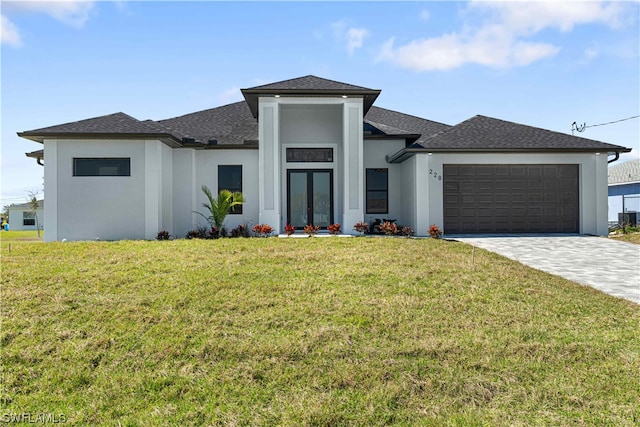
39,161
615,158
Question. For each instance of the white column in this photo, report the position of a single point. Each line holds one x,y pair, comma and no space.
51,190
353,203
269,163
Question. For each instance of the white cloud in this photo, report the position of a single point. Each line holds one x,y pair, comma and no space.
532,17
425,15
502,39
354,37
9,34
74,13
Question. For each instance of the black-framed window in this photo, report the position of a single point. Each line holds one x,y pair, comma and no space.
102,166
377,191
28,218
230,178
304,155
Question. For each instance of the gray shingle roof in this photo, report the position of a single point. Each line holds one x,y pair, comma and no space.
308,86
229,124
390,122
117,124
236,124
628,171
486,133
309,83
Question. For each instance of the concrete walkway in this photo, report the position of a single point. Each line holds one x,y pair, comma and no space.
605,264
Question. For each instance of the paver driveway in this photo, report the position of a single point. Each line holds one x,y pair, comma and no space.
605,264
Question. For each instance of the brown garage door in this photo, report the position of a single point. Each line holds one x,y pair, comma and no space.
510,198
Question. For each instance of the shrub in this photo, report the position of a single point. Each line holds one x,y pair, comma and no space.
240,231
407,231
435,232
220,206
163,235
311,229
197,233
361,227
334,229
389,228
262,229
289,229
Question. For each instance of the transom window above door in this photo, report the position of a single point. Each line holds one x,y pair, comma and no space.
310,155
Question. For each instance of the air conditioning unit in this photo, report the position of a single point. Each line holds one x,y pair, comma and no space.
629,217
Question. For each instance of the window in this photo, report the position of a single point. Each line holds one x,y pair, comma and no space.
120,166
377,191
324,155
28,218
230,178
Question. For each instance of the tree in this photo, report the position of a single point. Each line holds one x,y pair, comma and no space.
219,207
33,204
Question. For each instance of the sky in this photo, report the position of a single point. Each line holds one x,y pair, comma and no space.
545,64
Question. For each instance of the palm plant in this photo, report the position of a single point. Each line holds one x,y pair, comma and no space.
219,207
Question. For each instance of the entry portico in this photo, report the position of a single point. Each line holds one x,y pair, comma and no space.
311,168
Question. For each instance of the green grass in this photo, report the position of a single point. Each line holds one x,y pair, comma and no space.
629,237
28,235
317,332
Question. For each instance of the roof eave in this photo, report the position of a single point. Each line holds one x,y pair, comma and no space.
368,96
168,139
405,153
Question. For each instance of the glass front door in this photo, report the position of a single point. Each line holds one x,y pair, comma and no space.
309,197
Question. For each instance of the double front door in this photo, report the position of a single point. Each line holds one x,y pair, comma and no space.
310,197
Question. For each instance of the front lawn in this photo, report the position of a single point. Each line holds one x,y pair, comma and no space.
21,235
318,332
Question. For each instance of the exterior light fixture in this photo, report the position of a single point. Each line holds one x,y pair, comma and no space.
344,96
277,96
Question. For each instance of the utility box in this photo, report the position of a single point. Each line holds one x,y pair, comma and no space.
630,217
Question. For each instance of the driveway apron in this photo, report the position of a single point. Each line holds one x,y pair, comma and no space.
605,264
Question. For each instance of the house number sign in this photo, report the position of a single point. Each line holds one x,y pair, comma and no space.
435,175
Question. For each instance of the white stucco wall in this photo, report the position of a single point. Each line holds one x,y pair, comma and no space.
16,219
184,191
206,173
400,195
592,184
91,207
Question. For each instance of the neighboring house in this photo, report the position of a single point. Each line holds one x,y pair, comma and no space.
624,188
22,216
316,151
